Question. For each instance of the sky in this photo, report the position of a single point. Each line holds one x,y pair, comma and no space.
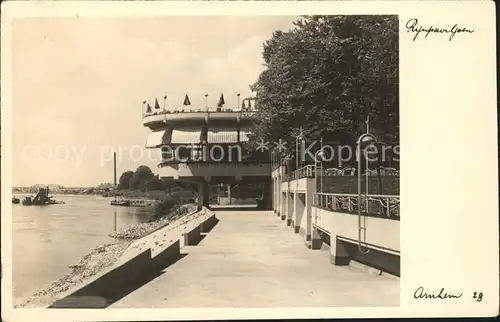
78,85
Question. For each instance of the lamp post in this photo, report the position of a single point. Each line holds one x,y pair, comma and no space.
366,139
298,139
206,102
238,105
321,154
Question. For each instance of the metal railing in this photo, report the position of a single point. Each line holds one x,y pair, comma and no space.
308,171
384,206
201,111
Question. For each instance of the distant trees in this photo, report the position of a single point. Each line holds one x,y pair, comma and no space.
141,179
124,181
326,75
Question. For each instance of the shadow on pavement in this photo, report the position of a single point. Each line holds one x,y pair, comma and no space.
105,296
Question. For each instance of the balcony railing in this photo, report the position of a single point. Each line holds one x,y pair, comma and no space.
309,171
201,111
384,206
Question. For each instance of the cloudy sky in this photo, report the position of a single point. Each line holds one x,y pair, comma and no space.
78,85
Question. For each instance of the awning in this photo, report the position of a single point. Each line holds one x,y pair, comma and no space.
244,134
222,135
186,136
157,138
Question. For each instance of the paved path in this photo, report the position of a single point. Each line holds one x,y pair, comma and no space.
251,259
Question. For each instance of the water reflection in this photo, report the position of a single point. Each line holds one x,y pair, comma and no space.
46,239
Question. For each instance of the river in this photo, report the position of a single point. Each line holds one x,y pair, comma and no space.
46,239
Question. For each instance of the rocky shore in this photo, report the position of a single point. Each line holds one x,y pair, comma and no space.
140,230
102,257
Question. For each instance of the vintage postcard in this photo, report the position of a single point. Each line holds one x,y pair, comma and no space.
207,160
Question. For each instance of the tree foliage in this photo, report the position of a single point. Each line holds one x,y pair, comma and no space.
141,179
326,75
124,181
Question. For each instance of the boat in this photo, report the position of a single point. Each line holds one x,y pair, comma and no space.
133,202
142,203
27,201
41,199
16,200
125,203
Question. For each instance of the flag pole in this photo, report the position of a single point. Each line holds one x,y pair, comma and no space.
165,108
143,106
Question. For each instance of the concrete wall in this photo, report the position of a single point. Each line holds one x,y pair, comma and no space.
338,232
119,281
141,262
381,232
301,184
382,239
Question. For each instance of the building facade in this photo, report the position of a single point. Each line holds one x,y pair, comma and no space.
208,147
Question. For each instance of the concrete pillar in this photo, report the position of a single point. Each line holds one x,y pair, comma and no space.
289,210
275,195
203,198
283,204
308,211
279,196
298,218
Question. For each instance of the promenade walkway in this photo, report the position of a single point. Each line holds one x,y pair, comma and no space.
251,259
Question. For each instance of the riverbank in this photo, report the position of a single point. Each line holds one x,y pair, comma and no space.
103,256
140,230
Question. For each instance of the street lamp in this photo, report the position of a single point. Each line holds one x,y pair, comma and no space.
365,139
298,139
321,154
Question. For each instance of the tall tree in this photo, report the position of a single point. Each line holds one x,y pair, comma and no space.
124,182
326,75
142,174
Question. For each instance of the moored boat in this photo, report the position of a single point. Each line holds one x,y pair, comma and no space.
125,203
16,200
41,199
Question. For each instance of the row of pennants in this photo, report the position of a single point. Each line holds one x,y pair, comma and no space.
187,102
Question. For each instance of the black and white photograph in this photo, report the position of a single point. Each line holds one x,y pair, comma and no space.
238,161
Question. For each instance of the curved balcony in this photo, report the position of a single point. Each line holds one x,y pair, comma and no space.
156,119
208,170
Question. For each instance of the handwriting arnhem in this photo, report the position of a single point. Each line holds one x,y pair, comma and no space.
412,26
420,293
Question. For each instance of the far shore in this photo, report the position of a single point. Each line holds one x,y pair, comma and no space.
128,193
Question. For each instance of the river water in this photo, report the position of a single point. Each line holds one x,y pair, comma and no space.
49,238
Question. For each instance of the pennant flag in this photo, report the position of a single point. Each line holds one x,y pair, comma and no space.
148,109
186,101
157,105
221,101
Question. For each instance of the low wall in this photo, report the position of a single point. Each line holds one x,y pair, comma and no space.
141,262
349,184
382,239
125,277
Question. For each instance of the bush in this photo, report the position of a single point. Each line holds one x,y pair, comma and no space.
168,205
